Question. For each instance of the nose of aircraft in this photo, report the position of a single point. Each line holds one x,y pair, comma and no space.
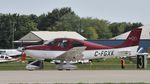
21,49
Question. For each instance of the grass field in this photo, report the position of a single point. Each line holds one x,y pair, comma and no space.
108,64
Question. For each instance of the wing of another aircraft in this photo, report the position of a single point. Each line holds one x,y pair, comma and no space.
5,60
72,54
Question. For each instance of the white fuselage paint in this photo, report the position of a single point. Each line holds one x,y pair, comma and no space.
88,54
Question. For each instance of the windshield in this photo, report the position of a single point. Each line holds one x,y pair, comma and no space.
47,42
2,52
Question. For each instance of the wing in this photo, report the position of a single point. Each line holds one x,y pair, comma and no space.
72,54
4,60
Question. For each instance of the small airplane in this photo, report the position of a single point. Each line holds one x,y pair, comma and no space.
5,58
8,55
68,49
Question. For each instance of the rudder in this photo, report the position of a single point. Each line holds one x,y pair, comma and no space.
133,38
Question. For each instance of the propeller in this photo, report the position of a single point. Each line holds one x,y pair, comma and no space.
23,54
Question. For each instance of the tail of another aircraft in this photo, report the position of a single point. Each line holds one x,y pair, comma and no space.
133,39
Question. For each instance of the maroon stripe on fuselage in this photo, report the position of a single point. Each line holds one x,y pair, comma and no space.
91,46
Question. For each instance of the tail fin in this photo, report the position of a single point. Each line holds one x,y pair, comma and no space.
133,38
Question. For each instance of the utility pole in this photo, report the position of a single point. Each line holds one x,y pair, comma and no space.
13,34
80,27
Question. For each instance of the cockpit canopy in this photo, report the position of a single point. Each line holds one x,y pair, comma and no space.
64,42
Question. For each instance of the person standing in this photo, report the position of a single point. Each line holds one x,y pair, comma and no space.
122,61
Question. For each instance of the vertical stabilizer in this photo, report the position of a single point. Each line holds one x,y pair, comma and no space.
133,39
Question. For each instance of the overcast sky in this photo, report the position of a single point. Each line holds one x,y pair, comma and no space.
111,10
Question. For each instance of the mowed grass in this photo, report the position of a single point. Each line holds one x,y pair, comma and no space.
110,64
102,83
100,64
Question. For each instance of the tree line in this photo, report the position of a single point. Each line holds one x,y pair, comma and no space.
15,26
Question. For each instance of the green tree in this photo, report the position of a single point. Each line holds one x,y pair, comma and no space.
48,21
13,27
101,26
90,33
69,22
23,26
118,28
34,18
6,31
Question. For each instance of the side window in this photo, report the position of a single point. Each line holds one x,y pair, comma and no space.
63,43
2,56
77,44
6,57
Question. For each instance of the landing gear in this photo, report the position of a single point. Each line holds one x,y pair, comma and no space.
38,64
34,65
66,66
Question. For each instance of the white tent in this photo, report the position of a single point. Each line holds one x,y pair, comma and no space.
144,35
37,36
